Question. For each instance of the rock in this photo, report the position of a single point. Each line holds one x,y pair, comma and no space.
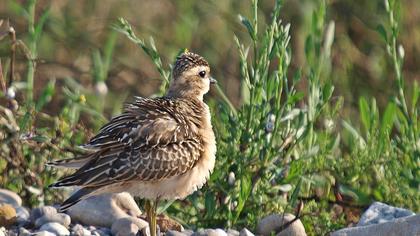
179,233
102,232
128,226
9,197
408,226
245,232
188,232
273,223
24,232
44,233
55,228
7,215
95,233
165,223
232,232
22,214
210,232
60,218
379,212
12,232
175,233
41,211
104,210
79,230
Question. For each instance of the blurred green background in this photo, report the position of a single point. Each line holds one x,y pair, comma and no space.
76,29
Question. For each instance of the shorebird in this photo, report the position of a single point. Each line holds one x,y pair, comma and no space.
157,149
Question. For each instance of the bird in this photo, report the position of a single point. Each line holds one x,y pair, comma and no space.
160,148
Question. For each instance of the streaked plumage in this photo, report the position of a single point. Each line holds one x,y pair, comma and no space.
158,148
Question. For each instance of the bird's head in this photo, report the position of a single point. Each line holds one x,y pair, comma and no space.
191,77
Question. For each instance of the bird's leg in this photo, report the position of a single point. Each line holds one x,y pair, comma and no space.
151,211
155,206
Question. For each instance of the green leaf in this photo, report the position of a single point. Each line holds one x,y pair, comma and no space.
382,32
40,138
109,50
348,191
40,25
23,124
364,113
248,26
309,46
359,139
295,194
243,194
387,120
46,95
416,94
16,8
295,98
297,76
98,66
327,91
210,204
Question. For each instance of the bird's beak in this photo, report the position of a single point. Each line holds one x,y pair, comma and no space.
213,80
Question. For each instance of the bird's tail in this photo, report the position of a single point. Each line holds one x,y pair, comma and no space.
73,163
76,197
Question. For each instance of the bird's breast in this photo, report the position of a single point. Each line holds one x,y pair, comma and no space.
179,187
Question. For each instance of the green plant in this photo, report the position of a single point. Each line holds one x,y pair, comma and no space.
29,135
265,143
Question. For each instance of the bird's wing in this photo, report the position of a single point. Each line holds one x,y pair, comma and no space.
154,121
149,141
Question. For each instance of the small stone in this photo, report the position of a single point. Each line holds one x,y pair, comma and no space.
285,188
7,215
245,232
273,223
55,228
44,233
24,232
409,225
379,212
188,232
231,178
128,226
174,233
232,232
95,233
79,230
210,232
101,88
41,211
103,210
60,218
12,232
102,232
22,214
9,197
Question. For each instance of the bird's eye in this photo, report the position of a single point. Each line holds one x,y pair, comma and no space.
202,73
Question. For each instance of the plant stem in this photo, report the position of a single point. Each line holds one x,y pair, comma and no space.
32,49
397,62
12,34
